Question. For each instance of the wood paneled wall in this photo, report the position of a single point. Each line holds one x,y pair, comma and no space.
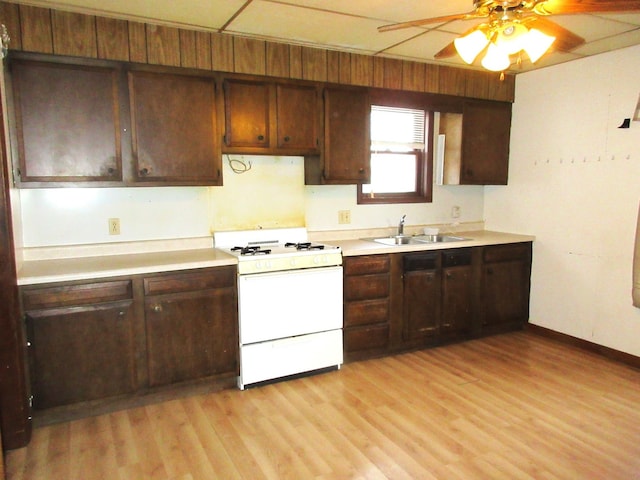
43,30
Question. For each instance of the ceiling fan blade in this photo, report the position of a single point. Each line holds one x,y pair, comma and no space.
447,52
565,39
568,7
426,21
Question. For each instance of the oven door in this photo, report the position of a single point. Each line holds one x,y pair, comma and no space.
289,303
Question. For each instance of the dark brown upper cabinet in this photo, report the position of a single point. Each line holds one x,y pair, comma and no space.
96,123
174,134
269,118
346,158
68,123
486,129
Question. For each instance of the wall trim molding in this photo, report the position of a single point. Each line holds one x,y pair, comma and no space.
610,353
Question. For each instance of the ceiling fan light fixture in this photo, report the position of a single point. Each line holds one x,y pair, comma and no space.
537,43
471,45
496,59
511,37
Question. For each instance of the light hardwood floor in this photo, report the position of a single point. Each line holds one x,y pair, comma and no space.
514,406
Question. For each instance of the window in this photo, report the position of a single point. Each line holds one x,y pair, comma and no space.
400,171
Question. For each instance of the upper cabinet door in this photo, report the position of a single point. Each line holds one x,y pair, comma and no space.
175,138
297,117
246,107
347,136
486,128
67,123
268,118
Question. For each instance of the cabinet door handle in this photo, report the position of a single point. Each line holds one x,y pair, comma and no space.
144,172
157,308
111,171
260,138
361,170
287,138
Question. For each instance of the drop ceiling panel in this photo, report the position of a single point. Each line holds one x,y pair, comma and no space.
623,40
198,14
592,28
389,11
425,46
316,27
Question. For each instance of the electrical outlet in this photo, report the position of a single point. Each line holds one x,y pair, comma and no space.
455,211
344,217
114,226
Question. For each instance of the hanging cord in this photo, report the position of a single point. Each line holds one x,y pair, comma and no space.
239,166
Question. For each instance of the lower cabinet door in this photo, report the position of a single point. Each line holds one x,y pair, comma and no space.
505,293
457,300
421,303
191,335
81,353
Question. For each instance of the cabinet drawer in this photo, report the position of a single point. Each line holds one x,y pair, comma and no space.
458,257
420,261
366,338
366,312
192,281
366,287
366,264
82,294
505,253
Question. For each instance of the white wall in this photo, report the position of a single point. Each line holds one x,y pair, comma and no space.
271,194
574,182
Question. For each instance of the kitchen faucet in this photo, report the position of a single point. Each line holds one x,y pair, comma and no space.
401,226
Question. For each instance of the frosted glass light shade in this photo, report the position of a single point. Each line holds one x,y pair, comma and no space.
537,43
496,59
471,45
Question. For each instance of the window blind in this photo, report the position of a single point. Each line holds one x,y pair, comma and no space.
397,129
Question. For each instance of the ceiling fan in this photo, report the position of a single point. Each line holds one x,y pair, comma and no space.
512,27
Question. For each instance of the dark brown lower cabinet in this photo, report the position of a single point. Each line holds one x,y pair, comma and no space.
81,339
191,325
458,292
422,287
438,299
190,336
81,353
506,281
434,297
367,308
92,341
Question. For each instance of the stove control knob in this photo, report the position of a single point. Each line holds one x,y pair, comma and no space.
292,262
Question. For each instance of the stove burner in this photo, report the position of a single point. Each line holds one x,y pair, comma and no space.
253,250
304,246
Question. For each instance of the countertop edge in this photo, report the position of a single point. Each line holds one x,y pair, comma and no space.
36,272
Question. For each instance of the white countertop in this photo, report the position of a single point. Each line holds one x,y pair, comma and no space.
475,239
85,268
39,271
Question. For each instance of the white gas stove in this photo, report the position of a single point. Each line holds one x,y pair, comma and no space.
260,251
289,303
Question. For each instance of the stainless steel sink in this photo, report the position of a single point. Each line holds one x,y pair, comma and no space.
416,239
